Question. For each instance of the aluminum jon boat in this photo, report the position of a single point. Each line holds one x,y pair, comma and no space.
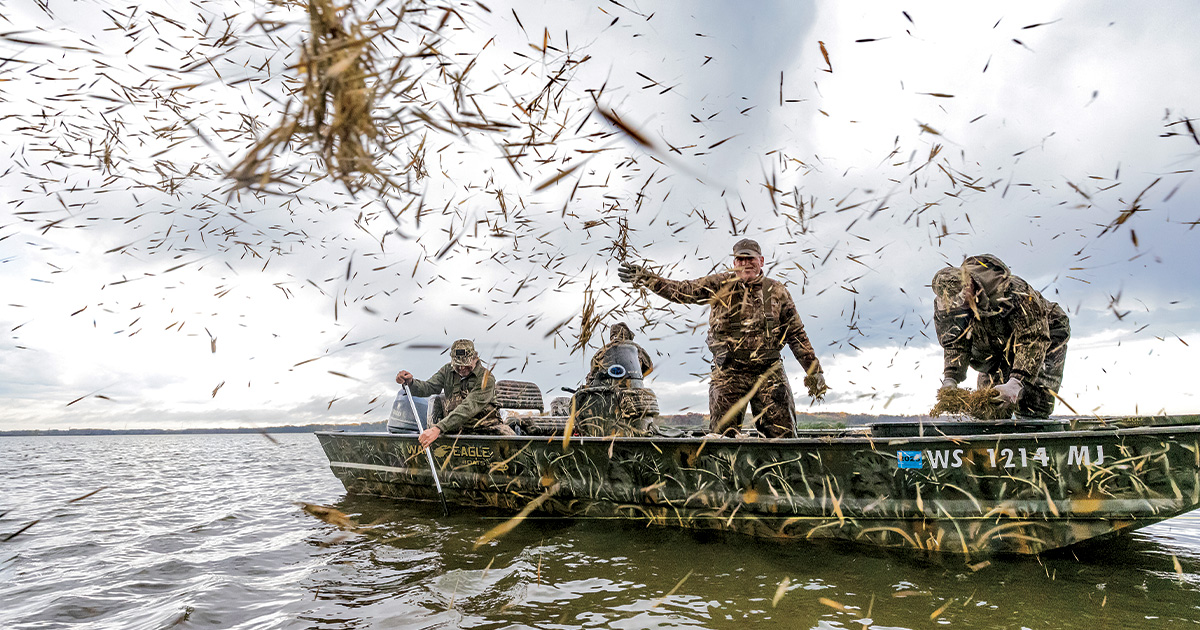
965,487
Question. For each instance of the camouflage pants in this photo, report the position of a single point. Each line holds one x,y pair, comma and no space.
764,390
488,423
498,428
1038,395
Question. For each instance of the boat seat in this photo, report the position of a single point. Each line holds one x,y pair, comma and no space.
518,395
539,425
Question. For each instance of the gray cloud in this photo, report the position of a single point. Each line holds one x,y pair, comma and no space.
1035,180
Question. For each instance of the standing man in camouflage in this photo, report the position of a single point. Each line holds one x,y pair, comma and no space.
470,392
751,317
992,321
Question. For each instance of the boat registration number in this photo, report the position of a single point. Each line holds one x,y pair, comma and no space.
997,457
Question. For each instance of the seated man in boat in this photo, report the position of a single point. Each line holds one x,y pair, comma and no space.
470,392
618,334
751,317
992,321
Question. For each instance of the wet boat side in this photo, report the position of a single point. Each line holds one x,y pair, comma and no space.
1008,492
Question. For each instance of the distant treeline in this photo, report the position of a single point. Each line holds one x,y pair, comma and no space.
803,420
852,419
684,420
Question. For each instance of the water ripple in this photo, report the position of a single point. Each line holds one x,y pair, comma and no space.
203,531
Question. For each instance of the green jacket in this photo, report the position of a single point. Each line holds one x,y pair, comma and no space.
470,401
748,322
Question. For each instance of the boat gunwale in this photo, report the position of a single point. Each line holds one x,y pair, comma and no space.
827,440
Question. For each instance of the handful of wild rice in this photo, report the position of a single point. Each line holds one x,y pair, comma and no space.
977,404
815,388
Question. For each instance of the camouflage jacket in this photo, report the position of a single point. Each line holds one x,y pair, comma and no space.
470,400
1010,336
748,322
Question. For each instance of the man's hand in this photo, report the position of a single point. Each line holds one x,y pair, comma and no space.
949,383
1010,391
404,377
632,274
815,383
428,436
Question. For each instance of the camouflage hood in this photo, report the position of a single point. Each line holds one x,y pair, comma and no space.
992,280
620,332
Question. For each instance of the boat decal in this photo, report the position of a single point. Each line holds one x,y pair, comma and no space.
462,454
1077,456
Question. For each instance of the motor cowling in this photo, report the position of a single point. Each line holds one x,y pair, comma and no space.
402,420
617,366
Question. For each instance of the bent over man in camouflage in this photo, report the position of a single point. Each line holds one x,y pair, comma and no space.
470,395
992,321
751,317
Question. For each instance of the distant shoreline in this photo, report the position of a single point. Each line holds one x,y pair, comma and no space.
306,428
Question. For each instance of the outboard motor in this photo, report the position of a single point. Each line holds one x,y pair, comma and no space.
402,420
619,367
615,400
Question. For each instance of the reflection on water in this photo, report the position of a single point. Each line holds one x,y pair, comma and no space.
203,531
556,573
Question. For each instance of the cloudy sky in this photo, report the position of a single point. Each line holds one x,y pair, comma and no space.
863,144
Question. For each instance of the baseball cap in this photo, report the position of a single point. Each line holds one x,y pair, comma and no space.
462,352
747,247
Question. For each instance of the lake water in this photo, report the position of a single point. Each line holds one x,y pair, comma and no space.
204,531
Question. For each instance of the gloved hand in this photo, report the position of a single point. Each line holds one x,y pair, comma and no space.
949,383
1010,391
632,274
815,383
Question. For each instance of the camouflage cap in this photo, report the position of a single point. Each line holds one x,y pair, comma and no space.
620,332
462,352
747,247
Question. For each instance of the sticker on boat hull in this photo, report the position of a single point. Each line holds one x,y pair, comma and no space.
909,459
1076,455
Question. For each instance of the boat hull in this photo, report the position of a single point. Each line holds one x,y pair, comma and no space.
1009,493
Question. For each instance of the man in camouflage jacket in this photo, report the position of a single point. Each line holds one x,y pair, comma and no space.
992,321
751,317
470,392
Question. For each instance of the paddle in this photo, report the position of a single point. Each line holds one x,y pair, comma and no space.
428,453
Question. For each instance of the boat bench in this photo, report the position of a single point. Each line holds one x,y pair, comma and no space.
518,395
